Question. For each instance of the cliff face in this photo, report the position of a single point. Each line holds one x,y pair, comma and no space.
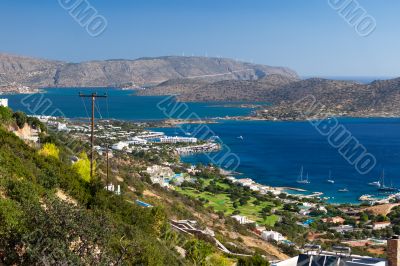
25,71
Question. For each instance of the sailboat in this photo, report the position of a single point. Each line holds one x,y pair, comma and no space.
300,180
330,180
375,184
385,188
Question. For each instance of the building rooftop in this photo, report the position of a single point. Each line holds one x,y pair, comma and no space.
330,260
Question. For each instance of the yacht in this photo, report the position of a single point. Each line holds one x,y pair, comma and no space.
385,188
375,184
330,180
301,180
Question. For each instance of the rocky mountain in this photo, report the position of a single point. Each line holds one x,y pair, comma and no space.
26,71
344,98
239,90
333,97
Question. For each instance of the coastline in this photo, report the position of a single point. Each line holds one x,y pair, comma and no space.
289,190
264,188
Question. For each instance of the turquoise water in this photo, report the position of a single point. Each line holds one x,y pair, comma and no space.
273,152
270,152
120,105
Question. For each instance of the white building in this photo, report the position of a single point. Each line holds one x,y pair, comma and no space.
331,259
246,182
160,175
272,235
4,102
157,170
254,187
178,140
137,141
150,135
112,188
242,219
120,146
380,225
62,127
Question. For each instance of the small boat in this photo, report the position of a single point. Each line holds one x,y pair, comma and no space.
330,180
240,137
188,134
300,180
375,184
343,190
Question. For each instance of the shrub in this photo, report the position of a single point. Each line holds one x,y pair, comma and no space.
6,114
82,167
50,150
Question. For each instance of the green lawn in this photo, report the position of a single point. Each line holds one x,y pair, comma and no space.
222,202
271,220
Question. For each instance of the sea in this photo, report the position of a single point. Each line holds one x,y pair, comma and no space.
270,152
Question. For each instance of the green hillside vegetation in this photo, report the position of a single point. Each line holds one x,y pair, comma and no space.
88,225
37,227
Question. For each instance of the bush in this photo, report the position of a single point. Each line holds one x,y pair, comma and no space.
6,114
50,150
256,260
82,167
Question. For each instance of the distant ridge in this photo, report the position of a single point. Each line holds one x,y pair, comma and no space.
33,72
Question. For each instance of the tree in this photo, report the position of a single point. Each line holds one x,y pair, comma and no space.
35,123
197,251
20,119
364,217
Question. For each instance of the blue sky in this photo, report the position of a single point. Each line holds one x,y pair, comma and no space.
307,36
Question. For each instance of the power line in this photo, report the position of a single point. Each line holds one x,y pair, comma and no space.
98,110
84,105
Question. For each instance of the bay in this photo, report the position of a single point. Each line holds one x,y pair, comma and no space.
271,153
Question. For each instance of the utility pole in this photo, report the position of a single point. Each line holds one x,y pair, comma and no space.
93,96
107,166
